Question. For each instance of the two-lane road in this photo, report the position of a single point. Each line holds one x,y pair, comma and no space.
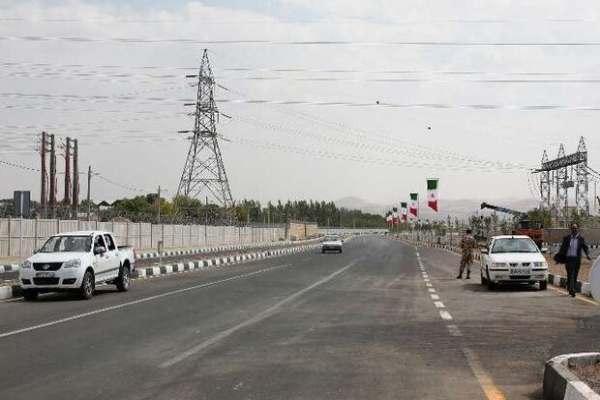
369,323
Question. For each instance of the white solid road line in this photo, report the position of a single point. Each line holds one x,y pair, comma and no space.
142,300
435,296
257,318
431,290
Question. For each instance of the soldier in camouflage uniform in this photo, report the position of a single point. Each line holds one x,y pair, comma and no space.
467,244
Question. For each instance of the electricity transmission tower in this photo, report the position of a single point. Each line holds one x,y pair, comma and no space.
204,171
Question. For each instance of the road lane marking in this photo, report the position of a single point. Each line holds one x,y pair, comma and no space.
454,330
580,297
491,391
485,381
251,321
445,315
428,284
139,301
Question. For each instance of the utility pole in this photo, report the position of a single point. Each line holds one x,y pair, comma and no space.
88,192
75,196
67,199
52,176
43,195
158,216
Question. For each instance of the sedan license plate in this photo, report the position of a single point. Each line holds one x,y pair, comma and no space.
520,271
44,274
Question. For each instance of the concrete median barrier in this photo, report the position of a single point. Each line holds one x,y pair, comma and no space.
561,383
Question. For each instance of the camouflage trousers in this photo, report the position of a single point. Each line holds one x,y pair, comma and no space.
465,262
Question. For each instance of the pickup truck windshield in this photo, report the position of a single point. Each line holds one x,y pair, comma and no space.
67,244
516,245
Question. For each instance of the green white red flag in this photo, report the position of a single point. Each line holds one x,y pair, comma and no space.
414,204
404,211
432,193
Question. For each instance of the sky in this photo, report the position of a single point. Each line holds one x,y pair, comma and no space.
388,93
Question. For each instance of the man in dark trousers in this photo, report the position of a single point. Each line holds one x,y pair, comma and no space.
570,253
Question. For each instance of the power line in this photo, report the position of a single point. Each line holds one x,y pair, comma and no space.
327,43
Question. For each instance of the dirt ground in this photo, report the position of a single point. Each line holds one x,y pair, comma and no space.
589,374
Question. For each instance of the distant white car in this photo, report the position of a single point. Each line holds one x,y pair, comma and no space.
331,243
77,261
513,259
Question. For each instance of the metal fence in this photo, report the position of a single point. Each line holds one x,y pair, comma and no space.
20,237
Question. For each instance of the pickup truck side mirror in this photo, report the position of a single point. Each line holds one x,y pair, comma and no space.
99,250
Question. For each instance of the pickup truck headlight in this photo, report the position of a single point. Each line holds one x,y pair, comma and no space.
75,263
499,265
26,264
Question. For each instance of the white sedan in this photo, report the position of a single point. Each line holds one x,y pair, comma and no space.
513,259
331,243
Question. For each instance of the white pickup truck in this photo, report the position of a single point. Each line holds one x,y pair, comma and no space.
77,261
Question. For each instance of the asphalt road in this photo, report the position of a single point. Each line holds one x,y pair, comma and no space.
376,322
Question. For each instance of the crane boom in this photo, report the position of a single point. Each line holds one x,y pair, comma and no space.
503,210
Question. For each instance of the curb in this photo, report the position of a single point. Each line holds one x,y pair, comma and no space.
7,292
562,384
203,250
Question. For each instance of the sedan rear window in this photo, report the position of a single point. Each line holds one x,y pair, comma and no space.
514,245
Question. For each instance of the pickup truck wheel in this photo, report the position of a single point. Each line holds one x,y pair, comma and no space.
30,294
491,285
87,285
543,285
122,281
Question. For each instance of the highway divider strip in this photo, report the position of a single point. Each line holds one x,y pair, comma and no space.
560,383
7,292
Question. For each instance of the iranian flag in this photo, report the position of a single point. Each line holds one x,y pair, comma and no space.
432,194
404,211
395,216
389,219
414,204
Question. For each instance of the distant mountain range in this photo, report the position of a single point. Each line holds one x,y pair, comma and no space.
456,208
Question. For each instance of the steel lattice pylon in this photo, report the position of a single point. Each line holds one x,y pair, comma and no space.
582,199
204,171
545,185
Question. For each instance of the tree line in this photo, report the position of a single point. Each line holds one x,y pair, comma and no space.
182,209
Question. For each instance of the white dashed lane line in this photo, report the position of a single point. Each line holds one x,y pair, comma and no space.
445,315
492,392
439,304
